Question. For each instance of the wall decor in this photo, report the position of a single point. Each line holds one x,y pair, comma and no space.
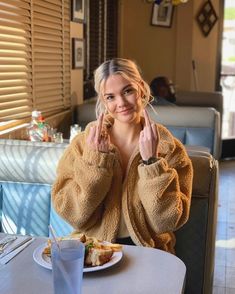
78,10
206,18
162,14
78,53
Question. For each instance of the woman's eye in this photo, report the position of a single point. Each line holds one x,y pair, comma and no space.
128,91
109,98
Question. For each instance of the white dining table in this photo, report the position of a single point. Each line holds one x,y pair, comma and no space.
141,270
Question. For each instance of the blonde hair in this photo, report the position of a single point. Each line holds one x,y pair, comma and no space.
129,70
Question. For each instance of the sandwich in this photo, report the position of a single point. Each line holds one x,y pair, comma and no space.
97,252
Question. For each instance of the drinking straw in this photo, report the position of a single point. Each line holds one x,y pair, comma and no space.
53,236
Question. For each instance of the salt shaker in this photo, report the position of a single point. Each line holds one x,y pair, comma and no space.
74,130
58,137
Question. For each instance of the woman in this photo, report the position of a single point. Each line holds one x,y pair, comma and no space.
124,179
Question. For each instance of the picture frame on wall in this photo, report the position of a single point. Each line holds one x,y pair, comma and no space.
78,11
162,14
78,53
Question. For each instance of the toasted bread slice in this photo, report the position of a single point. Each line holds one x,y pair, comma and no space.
80,237
97,256
113,246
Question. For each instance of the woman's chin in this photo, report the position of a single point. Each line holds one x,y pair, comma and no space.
131,118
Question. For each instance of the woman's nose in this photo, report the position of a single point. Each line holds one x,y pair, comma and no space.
121,101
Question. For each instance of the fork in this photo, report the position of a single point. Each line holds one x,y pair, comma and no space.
7,241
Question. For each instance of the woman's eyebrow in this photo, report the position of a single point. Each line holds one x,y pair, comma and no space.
107,94
127,86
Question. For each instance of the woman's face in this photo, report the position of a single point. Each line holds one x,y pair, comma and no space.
122,99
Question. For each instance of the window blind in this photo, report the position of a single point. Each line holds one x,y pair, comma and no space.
101,38
34,57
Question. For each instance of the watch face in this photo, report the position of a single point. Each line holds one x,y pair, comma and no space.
150,161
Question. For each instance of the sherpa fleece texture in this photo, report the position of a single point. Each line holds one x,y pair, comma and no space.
89,191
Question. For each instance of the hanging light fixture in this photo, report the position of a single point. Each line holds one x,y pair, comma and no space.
174,2
177,2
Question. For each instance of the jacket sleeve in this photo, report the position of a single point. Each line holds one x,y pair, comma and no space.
83,180
165,189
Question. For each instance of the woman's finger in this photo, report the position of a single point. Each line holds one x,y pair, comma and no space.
141,137
99,128
154,131
91,135
146,117
147,128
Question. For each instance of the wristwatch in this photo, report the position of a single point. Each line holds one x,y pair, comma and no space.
149,161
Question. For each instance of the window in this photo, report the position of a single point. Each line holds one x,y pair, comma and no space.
34,57
101,38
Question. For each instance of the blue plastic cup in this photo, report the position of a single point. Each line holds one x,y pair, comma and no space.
67,266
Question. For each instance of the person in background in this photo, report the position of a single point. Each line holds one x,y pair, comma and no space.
124,179
163,91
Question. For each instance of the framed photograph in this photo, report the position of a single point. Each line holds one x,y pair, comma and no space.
162,14
78,10
78,53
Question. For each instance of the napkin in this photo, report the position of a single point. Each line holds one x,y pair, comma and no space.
15,248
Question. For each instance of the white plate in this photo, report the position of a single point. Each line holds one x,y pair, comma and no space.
45,261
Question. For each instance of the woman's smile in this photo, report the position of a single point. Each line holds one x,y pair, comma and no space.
126,111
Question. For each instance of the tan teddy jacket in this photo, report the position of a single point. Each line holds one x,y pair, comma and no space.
90,192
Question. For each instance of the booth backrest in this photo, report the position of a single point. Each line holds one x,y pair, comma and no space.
28,169
201,98
196,126
193,126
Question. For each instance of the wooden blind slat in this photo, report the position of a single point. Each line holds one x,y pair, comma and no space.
15,97
51,44
47,18
11,104
14,90
13,83
48,69
15,68
49,81
14,32
56,2
50,75
7,23
15,61
17,3
14,18
15,75
13,10
47,50
48,37
14,53
49,56
47,11
46,30
50,6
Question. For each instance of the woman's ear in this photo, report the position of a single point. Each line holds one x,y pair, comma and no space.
141,87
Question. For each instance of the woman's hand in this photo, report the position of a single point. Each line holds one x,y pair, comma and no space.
98,139
149,139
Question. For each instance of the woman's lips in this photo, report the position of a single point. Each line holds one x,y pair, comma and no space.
125,111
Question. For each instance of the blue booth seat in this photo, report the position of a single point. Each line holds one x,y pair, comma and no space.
27,171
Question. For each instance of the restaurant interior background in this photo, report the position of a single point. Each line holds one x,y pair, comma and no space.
125,29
